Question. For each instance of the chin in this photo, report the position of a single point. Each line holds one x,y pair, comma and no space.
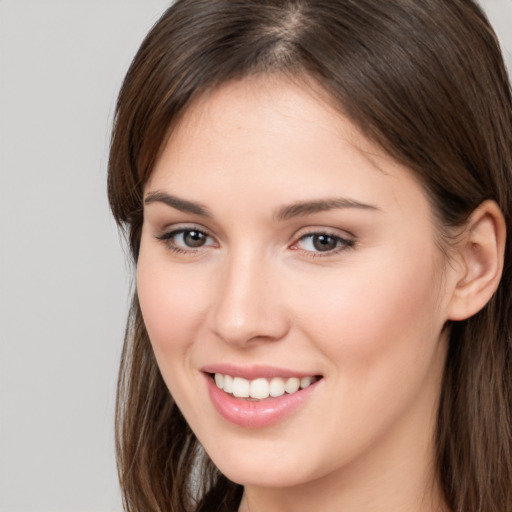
269,469
266,477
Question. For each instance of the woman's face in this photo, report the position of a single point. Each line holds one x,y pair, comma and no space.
280,249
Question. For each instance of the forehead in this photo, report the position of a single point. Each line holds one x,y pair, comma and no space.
277,105
274,137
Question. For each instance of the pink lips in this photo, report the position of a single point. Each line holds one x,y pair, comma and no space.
255,413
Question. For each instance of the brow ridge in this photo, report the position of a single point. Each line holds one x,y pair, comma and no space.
302,208
178,203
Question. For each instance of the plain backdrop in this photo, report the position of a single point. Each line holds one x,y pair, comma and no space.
64,278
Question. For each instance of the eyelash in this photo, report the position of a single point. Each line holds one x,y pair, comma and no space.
168,239
342,244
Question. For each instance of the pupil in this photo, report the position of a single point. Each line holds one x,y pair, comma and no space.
194,238
324,242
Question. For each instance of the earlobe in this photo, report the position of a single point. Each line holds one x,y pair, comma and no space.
481,253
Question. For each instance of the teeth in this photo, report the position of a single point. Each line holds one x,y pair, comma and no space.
241,387
219,380
305,382
228,384
292,385
261,388
276,386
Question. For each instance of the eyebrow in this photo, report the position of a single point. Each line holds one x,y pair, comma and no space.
179,204
302,208
298,209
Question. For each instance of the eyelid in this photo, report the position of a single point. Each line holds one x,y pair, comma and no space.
347,240
167,234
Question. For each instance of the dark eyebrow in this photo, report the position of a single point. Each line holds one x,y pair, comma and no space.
284,213
320,205
175,202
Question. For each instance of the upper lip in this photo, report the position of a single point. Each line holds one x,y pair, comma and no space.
255,371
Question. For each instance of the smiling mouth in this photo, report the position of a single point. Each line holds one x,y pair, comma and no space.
262,388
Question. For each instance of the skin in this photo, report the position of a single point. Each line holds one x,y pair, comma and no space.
368,316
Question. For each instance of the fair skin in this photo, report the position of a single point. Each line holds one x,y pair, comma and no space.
350,288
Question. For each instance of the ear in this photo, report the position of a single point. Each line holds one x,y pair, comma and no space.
481,254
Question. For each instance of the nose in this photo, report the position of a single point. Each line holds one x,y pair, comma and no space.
249,305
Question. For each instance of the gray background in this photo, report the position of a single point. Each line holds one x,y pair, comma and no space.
63,276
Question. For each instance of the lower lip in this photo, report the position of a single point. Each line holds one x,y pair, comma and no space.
257,413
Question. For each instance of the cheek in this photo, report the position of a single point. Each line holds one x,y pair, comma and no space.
171,302
383,313
380,333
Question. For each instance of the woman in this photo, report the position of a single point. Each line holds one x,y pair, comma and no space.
316,195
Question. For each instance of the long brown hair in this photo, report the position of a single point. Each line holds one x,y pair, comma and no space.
423,78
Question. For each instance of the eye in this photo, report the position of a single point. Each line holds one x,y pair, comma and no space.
322,243
190,238
186,240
